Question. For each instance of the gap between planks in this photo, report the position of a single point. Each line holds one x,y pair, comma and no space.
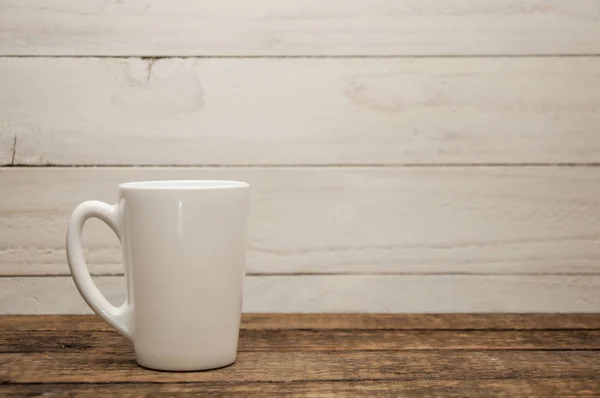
358,273
283,56
307,165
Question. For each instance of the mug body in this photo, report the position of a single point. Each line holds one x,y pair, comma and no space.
184,249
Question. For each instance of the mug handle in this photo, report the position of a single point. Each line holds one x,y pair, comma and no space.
117,317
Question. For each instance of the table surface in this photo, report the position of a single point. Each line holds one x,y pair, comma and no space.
320,354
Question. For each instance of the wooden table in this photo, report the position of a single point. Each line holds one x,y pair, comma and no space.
316,355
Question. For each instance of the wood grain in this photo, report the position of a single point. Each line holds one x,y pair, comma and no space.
316,340
399,321
384,111
279,354
431,220
344,293
324,322
555,387
120,367
310,27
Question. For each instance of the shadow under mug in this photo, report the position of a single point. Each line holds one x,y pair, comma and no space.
184,251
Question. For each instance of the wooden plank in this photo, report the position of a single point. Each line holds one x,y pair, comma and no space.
366,321
558,387
312,366
310,27
344,293
386,111
95,342
356,361
484,220
393,340
315,321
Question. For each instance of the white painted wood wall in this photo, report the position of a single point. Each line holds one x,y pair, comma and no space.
404,155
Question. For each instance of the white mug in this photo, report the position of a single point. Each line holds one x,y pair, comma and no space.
184,250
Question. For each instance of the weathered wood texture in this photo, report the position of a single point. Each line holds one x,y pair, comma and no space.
290,357
308,27
543,388
316,340
426,220
398,107
344,293
316,321
120,367
106,111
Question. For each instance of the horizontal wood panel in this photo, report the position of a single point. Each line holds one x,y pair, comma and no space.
314,321
560,387
338,220
296,366
309,27
106,111
344,293
90,343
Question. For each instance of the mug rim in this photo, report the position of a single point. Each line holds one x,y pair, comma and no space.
183,184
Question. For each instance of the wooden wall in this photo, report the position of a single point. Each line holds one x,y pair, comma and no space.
404,156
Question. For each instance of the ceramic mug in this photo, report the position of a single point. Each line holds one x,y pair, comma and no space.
184,250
